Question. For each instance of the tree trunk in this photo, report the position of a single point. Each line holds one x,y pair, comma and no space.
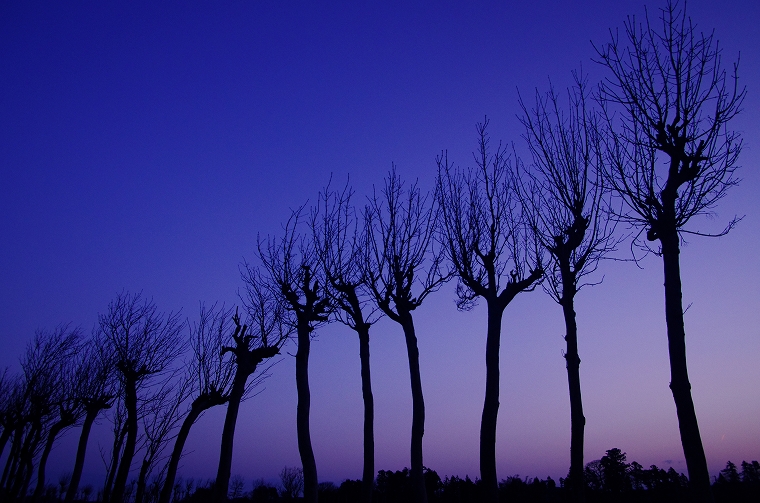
111,475
25,465
130,402
52,434
4,439
491,405
418,408
368,476
573,361
179,445
12,459
228,435
92,413
140,491
309,464
696,464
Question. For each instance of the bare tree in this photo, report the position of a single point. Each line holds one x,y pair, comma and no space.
402,268
211,375
492,250
67,406
10,385
668,101
299,282
162,414
95,388
15,407
119,428
43,367
255,342
568,208
143,344
291,480
338,241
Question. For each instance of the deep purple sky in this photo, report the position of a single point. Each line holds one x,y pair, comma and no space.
143,147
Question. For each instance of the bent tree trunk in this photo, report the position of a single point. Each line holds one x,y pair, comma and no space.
228,435
140,491
491,405
130,402
368,476
4,439
111,475
76,476
52,434
696,464
309,464
200,404
577,419
418,408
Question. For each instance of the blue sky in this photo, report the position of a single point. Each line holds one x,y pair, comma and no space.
144,146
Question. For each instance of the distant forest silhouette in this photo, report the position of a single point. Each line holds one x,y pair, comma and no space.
630,160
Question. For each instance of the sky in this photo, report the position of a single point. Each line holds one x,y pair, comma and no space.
144,146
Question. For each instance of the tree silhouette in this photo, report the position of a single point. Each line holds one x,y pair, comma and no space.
568,210
143,343
668,102
210,375
160,417
36,424
486,238
253,342
11,400
293,264
68,409
291,481
337,239
402,269
95,389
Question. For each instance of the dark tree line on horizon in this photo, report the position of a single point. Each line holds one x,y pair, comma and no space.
645,151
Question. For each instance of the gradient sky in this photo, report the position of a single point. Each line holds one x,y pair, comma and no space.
144,145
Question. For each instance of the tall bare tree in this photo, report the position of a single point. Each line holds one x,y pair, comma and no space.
338,240
568,208
10,385
95,388
143,343
487,240
668,101
68,410
210,374
163,413
402,267
43,367
254,342
300,284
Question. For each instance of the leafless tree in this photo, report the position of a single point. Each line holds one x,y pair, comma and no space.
163,413
119,428
237,483
338,241
492,249
10,384
143,344
254,342
95,389
68,411
568,208
668,101
402,268
291,480
43,367
211,376
300,284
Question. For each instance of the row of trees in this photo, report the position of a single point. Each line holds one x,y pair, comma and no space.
649,148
